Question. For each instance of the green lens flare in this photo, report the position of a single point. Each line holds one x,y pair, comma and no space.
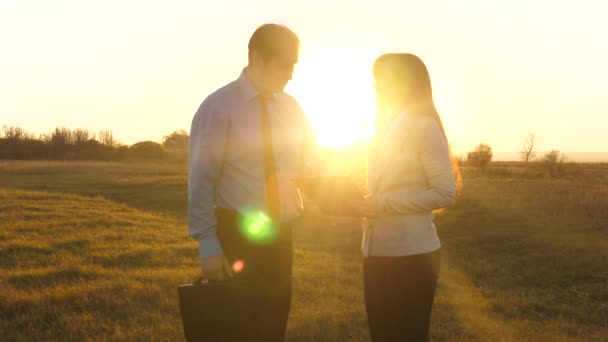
257,227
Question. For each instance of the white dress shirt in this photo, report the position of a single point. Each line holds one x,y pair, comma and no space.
226,157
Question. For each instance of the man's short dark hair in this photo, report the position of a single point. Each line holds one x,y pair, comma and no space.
273,39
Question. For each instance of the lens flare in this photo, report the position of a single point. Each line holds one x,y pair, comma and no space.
238,266
257,227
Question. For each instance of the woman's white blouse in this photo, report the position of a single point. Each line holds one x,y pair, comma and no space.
410,176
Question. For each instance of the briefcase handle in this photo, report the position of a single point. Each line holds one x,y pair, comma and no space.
200,281
204,280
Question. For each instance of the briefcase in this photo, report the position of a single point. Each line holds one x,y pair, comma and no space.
217,311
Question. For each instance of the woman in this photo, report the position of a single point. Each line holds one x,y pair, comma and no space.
410,175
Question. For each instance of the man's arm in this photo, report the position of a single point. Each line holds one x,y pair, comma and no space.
205,157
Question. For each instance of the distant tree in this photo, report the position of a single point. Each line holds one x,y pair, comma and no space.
14,133
106,138
94,150
121,152
555,163
61,143
176,141
16,143
147,150
528,148
61,136
80,136
481,157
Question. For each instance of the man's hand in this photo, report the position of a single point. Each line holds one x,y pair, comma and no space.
216,267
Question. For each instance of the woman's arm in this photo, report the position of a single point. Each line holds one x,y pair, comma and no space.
437,165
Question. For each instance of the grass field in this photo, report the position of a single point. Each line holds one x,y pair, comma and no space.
94,251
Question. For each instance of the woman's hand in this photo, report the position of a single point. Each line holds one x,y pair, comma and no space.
366,207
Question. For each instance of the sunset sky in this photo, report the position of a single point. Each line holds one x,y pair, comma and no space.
500,69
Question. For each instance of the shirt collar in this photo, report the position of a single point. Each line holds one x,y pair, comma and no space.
249,91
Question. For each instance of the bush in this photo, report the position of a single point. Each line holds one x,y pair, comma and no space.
481,157
176,141
555,163
147,150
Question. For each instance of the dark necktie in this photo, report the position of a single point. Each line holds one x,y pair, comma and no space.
270,170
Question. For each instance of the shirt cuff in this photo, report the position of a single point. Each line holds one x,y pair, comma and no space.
209,247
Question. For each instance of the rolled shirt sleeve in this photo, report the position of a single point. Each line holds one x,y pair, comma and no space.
205,156
437,166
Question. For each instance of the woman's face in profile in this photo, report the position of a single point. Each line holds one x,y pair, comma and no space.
391,90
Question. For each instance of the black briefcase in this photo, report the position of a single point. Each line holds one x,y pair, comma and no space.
217,311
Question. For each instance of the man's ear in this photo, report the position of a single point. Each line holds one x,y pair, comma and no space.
255,58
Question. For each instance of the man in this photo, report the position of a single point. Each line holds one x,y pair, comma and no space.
248,139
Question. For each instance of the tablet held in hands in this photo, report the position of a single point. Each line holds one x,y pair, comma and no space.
331,193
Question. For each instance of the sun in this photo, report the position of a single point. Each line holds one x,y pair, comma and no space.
334,86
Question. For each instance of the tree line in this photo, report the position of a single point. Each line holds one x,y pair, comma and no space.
553,162
65,144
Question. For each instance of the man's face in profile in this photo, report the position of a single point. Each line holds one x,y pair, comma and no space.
278,70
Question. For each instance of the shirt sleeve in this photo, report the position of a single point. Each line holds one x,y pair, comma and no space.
437,165
205,156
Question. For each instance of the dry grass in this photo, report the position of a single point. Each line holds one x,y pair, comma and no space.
94,251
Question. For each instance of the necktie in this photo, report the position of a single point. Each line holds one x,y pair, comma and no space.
272,186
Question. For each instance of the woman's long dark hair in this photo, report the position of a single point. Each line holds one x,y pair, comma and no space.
408,72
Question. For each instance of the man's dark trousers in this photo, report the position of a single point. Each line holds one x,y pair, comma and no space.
266,273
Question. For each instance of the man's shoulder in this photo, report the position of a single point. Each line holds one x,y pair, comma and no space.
221,96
